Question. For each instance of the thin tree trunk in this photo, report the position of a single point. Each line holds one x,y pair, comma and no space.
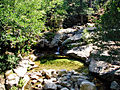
90,3
81,7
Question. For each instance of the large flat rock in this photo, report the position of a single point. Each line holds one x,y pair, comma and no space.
105,70
81,52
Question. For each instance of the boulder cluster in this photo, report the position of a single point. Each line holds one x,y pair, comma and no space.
59,80
51,80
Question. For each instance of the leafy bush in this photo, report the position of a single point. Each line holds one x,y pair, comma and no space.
110,22
8,62
22,21
108,32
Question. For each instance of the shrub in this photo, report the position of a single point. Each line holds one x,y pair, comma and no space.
22,21
8,62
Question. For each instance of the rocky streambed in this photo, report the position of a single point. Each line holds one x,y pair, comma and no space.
29,75
58,80
102,75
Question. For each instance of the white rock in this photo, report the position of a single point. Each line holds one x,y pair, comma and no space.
12,79
68,30
20,71
33,81
24,63
40,80
39,74
34,77
32,57
53,79
2,87
12,76
8,72
91,24
32,63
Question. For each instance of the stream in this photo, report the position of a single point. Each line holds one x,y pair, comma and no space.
57,64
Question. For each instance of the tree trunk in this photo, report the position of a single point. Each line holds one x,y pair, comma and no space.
90,3
81,7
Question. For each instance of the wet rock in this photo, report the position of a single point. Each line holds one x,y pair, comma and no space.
86,85
50,85
79,27
55,40
61,34
63,78
20,71
115,86
74,38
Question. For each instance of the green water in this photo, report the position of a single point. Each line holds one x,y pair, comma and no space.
58,64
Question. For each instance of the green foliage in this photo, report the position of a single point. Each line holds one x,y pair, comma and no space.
86,36
7,62
14,88
21,83
22,21
110,21
108,33
49,36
